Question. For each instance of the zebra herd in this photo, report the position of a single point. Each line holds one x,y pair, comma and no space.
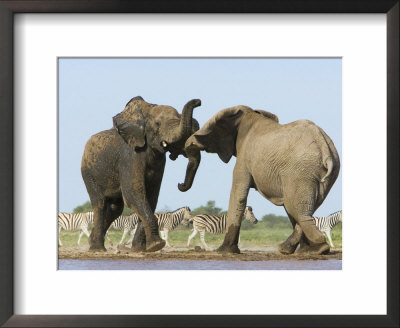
202,223
81,221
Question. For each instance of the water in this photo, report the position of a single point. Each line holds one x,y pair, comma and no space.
111,264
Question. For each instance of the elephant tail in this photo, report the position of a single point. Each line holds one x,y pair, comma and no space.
328,163
330,157
328,153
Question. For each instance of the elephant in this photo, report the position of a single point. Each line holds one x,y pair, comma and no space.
292,165
124,166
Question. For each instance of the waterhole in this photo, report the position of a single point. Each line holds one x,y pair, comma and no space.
113,264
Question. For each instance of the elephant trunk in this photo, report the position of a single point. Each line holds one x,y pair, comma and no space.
184,129
194,162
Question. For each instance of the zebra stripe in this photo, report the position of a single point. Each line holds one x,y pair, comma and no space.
170,220
127,223
215,224
325,224
74,222
210,223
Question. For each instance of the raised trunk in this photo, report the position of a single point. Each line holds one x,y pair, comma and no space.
184,129
194,162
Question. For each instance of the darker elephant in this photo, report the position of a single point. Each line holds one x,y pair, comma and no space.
125,165
293,165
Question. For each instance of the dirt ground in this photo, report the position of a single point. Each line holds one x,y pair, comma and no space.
183,253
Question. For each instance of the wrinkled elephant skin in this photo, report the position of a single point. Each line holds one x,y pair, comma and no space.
124,166
293,165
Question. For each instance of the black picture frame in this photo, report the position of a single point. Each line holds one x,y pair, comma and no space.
7,10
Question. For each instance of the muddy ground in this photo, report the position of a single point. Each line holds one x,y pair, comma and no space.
183,253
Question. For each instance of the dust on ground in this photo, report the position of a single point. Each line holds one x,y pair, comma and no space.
183,253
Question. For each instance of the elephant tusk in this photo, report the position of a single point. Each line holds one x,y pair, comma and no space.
164,144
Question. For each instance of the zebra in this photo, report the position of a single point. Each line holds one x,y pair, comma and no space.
74,222
325,224
215,224
169,221
127,223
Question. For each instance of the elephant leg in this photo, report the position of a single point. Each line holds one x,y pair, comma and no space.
290,244
103,218
113,211
146,237
147,231
193,234
300,204
96,239
97,200
153,186
237,204
139,239
304,244
315,238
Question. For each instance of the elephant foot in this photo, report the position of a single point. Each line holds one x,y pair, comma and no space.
287,248
290,244
234,249
138,245
138,248
96,244
155,244
94,248
317,249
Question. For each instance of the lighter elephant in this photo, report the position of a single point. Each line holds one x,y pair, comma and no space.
293,165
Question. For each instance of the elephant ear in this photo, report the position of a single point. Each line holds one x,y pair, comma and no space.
218,135
130,123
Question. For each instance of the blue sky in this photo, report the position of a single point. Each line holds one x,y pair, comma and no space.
92,91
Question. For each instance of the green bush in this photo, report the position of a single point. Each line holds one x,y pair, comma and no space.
85,207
